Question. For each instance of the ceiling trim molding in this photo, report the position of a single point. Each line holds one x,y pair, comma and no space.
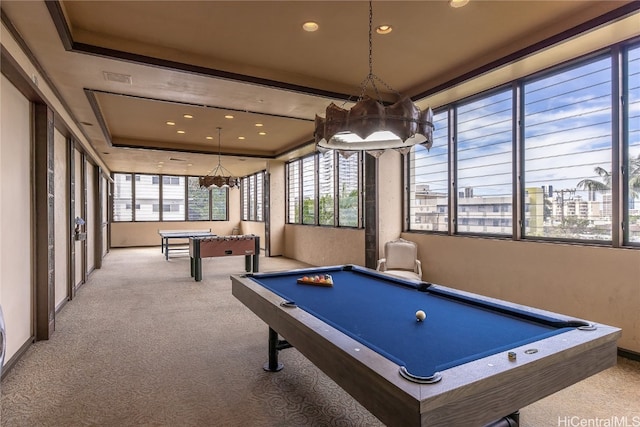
117,144
66,37
95,107
614,15
192,104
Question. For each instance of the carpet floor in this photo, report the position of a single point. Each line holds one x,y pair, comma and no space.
143,344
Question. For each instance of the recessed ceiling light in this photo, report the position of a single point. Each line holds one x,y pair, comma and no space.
209,137
171,123
384,29
228,116
259,125
241,137
262,133
187,116
181,131
458,3
161,163
310,26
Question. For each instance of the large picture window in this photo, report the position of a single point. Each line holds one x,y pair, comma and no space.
560,139
429,180
252,188
166,198
567,140
315,183
485,167
147,197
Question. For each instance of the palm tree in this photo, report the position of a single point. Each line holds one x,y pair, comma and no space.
634,177
593,185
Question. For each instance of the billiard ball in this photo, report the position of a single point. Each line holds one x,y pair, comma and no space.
421,315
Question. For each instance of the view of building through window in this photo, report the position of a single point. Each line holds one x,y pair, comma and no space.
566,123
139,199
310,187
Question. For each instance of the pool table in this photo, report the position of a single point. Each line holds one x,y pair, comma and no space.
473,360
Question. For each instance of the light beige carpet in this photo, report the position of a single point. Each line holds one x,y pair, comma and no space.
143,344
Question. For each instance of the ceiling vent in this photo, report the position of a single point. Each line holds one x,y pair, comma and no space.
116,77
177,160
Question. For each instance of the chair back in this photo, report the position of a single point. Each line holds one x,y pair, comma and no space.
401,254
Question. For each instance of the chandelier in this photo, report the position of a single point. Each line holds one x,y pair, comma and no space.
220,176
372,126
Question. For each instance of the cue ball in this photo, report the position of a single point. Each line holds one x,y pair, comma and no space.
420,315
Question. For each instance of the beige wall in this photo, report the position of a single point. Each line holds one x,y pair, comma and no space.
277,214
252,227
61,219
589,282
323,246
390,196
16,277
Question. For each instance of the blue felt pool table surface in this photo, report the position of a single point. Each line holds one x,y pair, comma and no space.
380,312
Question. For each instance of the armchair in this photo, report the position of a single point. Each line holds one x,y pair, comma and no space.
401,260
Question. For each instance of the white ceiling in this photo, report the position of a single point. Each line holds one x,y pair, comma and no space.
125,68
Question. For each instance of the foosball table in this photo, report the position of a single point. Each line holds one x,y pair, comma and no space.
219,246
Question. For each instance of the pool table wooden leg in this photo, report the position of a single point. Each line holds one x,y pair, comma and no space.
275,345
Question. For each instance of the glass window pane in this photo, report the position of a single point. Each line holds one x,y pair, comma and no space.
219,201
429,181
293,191
348,191
633,138
326,188
147,190
198,200
259,196
244,188
308,190
173,198
251,198
122,197
567,117
484,169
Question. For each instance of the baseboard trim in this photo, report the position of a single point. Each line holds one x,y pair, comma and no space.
628,354
17,356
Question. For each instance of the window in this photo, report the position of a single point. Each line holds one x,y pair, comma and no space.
219,204
429,180
198,200
567,150
309,190
316,182
293,192
259,196
484,166
122,197
173,198
348,190
570,134
632,112
326,188
147,191
182,199
252,188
